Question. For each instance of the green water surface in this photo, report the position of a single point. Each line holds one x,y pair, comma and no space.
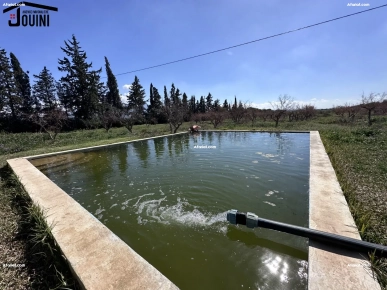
167,198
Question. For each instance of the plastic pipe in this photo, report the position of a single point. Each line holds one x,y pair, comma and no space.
251,221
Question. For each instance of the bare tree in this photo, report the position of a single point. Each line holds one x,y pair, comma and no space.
252,114
309,111
382,110
128,118
264,114
339,111
295,113
196,118
370,103
108,116
284,104
217,117
175,113
351,110
93,122
301,113
237,113
50,122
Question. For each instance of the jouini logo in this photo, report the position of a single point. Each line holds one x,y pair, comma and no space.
37,17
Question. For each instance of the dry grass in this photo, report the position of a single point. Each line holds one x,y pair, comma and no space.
28,241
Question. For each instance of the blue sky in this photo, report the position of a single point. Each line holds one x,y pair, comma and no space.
326,65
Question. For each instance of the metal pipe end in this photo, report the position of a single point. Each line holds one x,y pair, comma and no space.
231,216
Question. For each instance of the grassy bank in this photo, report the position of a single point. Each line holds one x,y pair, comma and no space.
357,153
27,244
360,161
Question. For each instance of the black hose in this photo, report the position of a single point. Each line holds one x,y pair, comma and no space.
318,236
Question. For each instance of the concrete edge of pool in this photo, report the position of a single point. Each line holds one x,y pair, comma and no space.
100,260
330,268
96,147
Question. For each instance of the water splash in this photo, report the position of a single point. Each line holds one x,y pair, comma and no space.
181,213
141,196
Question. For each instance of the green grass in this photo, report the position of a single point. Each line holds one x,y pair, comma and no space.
357,153
359,158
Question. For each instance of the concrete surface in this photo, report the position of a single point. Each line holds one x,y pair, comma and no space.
330,268
98,258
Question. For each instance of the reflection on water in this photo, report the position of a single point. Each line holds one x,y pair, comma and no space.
168,201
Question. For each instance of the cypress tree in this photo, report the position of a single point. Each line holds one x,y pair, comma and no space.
97,91
192,105
149,109
157,106
44,91
167,101
216,104
10,100
23,86
197,107
225,104
185,100
174,95
63,97
151,103
136,99
185,107
113,94
209,102
202,105
174,109
80,84
240,105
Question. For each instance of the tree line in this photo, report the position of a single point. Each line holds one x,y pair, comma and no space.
79,99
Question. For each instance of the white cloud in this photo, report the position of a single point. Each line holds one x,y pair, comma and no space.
127,87
124,100
318,103
265,105
229,53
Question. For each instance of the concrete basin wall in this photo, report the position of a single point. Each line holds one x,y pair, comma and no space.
330,268
97,257
100,260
